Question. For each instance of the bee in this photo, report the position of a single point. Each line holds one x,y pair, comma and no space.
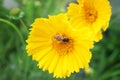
63,39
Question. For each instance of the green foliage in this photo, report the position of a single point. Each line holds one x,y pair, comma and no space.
15,64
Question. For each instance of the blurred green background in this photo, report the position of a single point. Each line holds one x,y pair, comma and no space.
16,17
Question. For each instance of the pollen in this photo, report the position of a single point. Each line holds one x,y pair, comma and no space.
90,14
62,44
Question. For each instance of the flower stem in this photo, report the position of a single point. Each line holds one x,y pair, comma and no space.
24,26
15,28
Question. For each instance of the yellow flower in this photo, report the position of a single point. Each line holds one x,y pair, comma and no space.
57,47
94,14
89,71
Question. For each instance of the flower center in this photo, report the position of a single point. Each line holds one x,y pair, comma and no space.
90,14
62,44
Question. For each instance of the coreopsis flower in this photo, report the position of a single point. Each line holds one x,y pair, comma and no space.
89,71
94,14
59,48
